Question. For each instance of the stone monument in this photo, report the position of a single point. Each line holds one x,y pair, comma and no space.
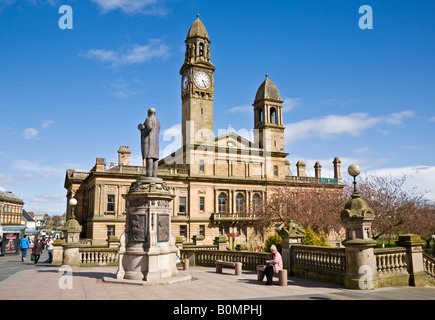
148,253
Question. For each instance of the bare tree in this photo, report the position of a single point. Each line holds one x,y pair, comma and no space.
314,205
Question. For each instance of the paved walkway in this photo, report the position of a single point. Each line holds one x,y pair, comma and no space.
86,283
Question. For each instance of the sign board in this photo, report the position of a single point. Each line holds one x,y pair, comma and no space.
10,244
231,235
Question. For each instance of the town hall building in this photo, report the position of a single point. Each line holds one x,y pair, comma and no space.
214,180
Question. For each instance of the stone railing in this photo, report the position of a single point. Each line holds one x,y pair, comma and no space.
207,258
98,256
318,263
429,266
392,266
392,260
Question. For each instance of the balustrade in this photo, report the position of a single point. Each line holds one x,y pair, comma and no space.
320,258
429,265
390,261
106,256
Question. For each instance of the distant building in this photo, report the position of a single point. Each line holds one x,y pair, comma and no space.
41,218
29,220
11,209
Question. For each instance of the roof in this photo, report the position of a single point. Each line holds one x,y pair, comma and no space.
267,90
197,30
27,216
9,196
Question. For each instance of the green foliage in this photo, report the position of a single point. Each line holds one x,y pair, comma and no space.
310,239
273,239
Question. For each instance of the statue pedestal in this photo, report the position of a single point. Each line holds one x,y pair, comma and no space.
148,252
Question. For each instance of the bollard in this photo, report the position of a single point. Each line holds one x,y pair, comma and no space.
238,267
282,276
186,264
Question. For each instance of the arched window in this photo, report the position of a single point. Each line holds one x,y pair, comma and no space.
260,115
222,203
201,49
273,115
239,203
256,200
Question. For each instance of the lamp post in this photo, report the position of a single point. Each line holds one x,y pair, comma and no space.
72,203
354,170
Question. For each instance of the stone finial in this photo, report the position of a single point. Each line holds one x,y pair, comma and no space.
337,168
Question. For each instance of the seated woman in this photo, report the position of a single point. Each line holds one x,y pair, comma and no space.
273,265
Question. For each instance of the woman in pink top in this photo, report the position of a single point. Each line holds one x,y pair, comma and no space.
273,265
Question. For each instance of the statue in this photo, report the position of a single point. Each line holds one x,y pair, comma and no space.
150,142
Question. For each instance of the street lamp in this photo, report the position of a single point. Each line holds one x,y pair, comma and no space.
354,170
72,203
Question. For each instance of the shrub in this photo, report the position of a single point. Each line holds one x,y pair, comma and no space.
310,239
273,239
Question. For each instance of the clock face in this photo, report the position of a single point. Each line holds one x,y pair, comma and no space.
202,80
185,82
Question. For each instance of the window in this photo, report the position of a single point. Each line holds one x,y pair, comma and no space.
239,203
182,205
201,165
255,200
275,171
183,231
110,231
222,203
201,49
201,203
202,230
272,115
110,203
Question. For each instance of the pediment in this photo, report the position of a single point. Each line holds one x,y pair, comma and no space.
232,140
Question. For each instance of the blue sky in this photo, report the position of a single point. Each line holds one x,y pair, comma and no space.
70,96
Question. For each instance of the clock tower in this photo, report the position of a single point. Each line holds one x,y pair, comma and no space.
197,84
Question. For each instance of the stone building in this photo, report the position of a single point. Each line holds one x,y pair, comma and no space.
214,180
11,209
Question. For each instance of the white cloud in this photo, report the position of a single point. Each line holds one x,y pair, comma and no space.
290,103
155,49
333,126
49,197
47,123
30,133
152,7
330,126
241,109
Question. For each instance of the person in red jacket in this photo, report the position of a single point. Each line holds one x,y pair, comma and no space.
273,265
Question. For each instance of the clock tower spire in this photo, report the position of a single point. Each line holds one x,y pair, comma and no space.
197,90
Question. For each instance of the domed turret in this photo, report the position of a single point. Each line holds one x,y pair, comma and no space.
197,30
267,91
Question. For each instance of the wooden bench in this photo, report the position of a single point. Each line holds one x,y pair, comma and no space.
282,275
237,266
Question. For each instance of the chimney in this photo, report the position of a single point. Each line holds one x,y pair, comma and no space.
301,168
318,170
337,170
100,165
124,156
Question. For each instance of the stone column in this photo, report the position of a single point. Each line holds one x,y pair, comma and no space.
71,247
290,234
361,271
414,252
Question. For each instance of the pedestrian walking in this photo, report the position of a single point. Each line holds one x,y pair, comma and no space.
24,245
49,244
37,250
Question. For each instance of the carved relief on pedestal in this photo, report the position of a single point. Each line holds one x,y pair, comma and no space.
137,228
163,228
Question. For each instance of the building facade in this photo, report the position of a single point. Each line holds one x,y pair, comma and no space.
214,180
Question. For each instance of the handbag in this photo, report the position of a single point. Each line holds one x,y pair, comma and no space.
32,257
